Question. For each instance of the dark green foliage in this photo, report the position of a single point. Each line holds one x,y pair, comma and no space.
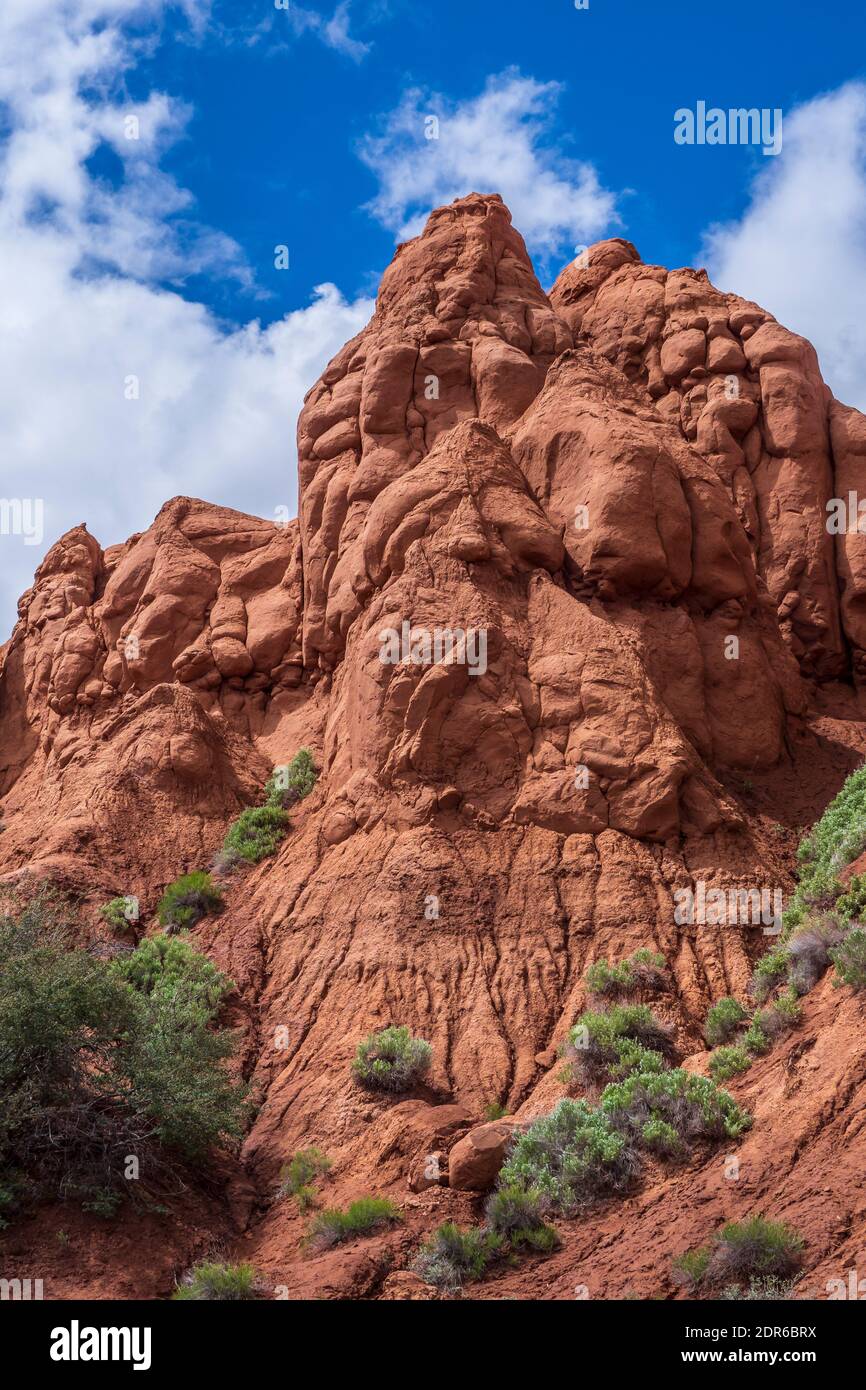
211,1281
569,1158
755,1038
120,913
849,958
741,1253
644,969
723,1021
292,783
692,1105
612,1043
361,1218
187,900
166,966
851,904
255,835
296,1176
831,845
769,972
452,1258
99,1061
729,1061
391,1060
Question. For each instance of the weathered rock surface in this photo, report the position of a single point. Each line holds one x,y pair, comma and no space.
623,487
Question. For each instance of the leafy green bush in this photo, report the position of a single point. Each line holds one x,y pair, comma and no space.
391,1060
210,1281
514,1208
187,900
296,1176
452,1258
755,1038
287,785
692,1105
256,834
729,1061
120,913
742,1252
769,971
168,966
831,845
99,1060
644,969
613,1042
690,1267
849,958
569,1158
723,1021
361,1218
851,903
660,1137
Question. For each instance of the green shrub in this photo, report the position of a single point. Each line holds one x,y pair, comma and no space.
101,1060
120,913
569,1158
613,1042
210,1281
690,1267
693,1105
514,1208
726,1062
296,1176
287,785
743,1252
361,1218
849,958
644,969
187,900
452,1258
755,1038
851,904
256,834
168,966
661,1137
391,1060
769,971
832,844
723,1021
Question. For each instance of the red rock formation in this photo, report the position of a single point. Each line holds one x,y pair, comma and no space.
623,490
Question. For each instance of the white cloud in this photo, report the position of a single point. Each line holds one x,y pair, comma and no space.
80,312
800,248
333,32
493,143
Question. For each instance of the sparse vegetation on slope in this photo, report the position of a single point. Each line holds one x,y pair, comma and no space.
391,1060
741,1253
212,1281
187,900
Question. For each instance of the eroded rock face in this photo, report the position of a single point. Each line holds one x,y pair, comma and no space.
748,394
561,571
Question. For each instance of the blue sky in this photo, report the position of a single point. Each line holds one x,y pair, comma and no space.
151,260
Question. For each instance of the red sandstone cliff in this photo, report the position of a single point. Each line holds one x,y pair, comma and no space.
623,485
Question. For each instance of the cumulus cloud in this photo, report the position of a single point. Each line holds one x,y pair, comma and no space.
117,392
800,247
493,143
